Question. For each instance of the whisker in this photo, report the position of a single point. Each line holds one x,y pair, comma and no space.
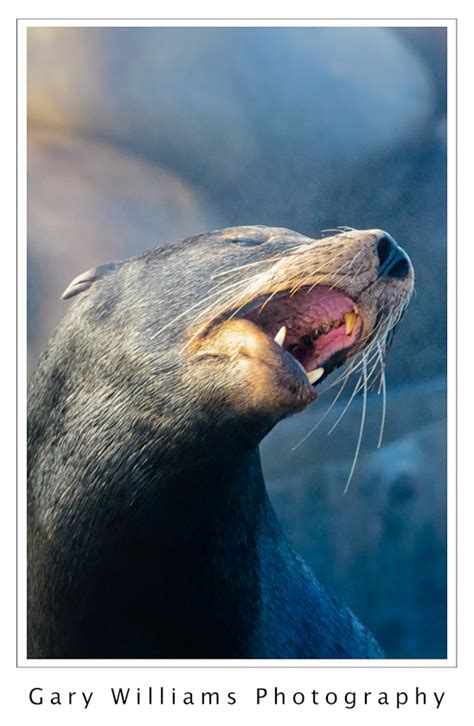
275,292
384,404
188,310
328,274
355,390
357,360
336,272
361,432
311,274
347,371
251,264
321,419
356,363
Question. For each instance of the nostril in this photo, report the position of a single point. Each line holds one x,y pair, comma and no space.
384,249
399,269
393,262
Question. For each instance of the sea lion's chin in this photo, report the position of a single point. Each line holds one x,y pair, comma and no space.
253,374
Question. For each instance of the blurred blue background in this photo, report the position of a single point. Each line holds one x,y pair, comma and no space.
140,136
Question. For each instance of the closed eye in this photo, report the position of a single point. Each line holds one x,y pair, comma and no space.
247,241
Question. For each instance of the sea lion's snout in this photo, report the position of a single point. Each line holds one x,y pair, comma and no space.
320,302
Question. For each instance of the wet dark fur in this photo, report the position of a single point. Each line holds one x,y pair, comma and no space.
151,534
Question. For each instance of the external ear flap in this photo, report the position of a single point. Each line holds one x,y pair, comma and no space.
85,279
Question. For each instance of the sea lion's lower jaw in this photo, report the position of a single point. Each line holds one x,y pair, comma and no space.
251,372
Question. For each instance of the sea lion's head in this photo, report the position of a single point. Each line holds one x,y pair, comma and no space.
227,332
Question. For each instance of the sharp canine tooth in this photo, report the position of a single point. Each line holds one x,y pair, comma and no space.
280,336
315,375
351,320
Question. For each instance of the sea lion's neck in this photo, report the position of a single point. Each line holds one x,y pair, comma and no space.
175,569
206,489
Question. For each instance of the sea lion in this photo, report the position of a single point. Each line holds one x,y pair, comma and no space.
151,534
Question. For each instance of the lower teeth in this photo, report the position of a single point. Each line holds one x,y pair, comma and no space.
315,375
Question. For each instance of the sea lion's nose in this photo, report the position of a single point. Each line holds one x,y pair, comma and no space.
393,260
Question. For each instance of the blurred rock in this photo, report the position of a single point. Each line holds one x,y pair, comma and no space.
89,203
431,45
268,120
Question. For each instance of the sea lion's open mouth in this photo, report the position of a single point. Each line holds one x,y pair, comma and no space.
319,326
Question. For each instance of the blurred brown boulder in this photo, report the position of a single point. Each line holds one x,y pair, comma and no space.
89,203
268,120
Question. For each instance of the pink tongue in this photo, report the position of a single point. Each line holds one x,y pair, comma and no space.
325,346
303,312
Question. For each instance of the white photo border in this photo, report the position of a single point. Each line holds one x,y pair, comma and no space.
451,660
